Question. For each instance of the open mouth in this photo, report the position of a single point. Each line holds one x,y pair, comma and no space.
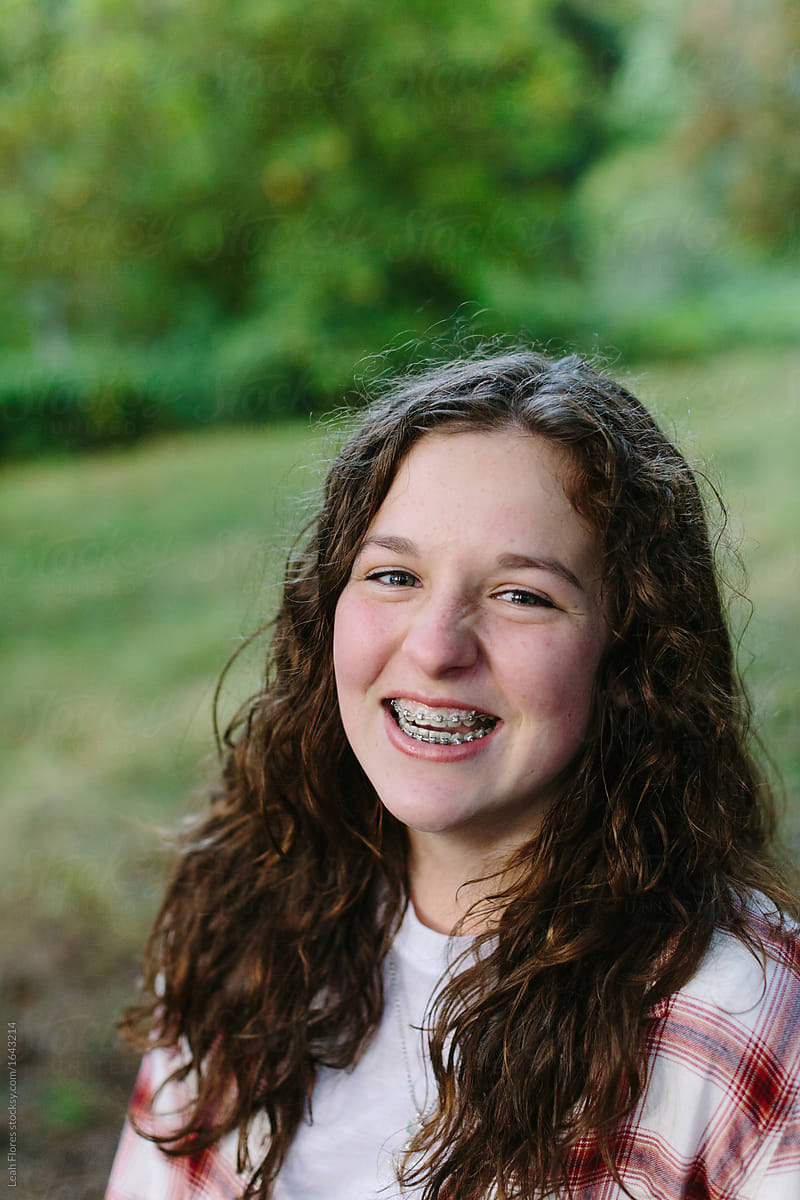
444,726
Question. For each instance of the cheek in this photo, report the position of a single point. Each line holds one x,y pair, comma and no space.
343,645
560,683
359,640
578,688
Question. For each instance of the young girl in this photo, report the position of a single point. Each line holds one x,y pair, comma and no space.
484,904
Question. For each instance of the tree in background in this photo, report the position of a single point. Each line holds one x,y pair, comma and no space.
743,63
689,223
291,189
212,210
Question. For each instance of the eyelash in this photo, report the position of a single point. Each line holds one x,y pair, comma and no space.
384,577
531,599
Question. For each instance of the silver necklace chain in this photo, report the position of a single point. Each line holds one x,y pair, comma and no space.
413,1127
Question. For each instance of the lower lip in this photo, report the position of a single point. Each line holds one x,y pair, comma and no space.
435,751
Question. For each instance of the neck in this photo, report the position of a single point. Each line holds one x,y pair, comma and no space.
448,881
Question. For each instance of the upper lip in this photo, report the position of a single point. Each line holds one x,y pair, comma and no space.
441,702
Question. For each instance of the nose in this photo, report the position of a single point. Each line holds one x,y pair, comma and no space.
441,637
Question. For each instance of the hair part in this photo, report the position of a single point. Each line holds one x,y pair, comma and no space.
283,903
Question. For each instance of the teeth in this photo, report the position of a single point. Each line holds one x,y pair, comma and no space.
471,724
423,715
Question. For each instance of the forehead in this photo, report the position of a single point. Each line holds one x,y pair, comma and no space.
501,464
505,487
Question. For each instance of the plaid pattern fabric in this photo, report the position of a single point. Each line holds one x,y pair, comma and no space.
720,1118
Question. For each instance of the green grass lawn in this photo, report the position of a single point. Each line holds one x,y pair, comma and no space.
130,578
133,577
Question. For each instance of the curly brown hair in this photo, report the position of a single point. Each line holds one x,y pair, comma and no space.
265,962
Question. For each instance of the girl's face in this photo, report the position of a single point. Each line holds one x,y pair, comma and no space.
468,637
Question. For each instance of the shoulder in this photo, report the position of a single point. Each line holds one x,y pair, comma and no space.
742,1003
749,982
141,1170
724,1086
741,1007
720,1115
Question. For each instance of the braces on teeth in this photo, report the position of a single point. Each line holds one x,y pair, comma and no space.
479,725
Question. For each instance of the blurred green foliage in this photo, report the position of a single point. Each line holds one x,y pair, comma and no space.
209,211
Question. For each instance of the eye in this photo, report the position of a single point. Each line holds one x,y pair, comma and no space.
393,579
524,598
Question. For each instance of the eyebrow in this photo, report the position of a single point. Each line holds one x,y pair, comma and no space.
508,562
514,562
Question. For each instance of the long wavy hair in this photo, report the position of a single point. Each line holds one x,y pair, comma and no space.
265,961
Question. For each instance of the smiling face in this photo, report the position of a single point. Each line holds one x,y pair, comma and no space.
468,637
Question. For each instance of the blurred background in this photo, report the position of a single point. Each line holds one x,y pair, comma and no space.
219,221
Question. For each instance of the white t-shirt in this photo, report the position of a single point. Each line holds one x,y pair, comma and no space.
361,1116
